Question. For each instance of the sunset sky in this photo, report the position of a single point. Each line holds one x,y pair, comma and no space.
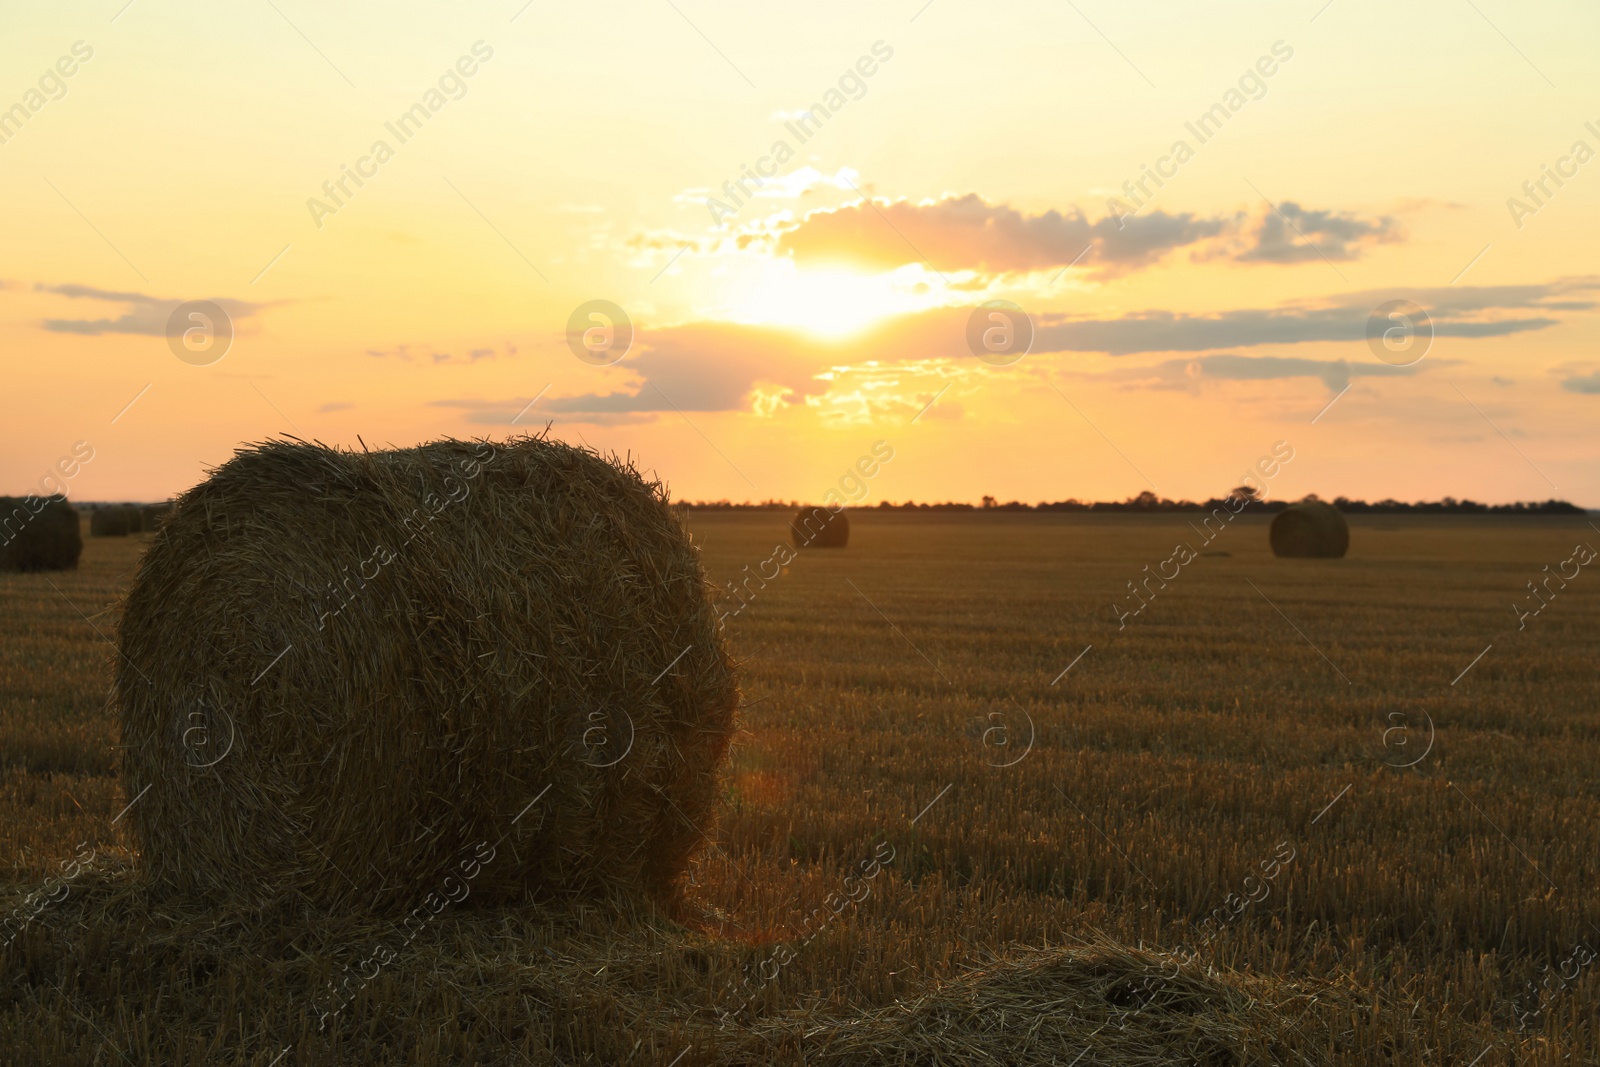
1353,154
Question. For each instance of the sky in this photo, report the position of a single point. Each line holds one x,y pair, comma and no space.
1039,250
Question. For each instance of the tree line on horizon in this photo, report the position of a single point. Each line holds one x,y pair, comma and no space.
1150,502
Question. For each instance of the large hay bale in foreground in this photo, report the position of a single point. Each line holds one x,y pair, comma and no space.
115,520
819,528
1310,529
364,678
39,534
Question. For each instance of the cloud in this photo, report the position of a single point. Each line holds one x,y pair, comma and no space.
408,353
1292,234
720,366
1336,374
710,366
336,405
946,412
802,181
1167,331
521,412
1465,298
966,233
797,183
146,315
1583,383
1455,312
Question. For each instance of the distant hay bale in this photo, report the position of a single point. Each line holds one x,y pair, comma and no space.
341,672
115,520
1310,529
150,515
39,534
819,528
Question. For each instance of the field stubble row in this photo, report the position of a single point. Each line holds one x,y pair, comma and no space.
917,676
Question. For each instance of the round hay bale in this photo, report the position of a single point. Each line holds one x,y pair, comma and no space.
150,515
359,678
39,534
1310,529
115,520
819,528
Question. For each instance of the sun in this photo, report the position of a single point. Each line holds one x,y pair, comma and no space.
831,303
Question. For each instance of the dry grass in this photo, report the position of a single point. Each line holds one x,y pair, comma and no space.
1032,911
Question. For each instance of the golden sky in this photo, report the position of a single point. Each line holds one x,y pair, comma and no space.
1197,211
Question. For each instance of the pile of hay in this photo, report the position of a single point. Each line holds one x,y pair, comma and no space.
1102,1004
39,534
1310,529
115,520
363,679
819,528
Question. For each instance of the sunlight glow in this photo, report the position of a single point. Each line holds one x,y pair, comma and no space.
831,303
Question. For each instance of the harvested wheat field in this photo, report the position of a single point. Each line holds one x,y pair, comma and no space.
1276,818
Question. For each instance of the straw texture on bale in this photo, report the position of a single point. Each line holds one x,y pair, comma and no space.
39,534
116,520
369,679
1310,529
819,528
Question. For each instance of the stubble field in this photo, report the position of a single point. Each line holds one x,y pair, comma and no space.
1292,811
